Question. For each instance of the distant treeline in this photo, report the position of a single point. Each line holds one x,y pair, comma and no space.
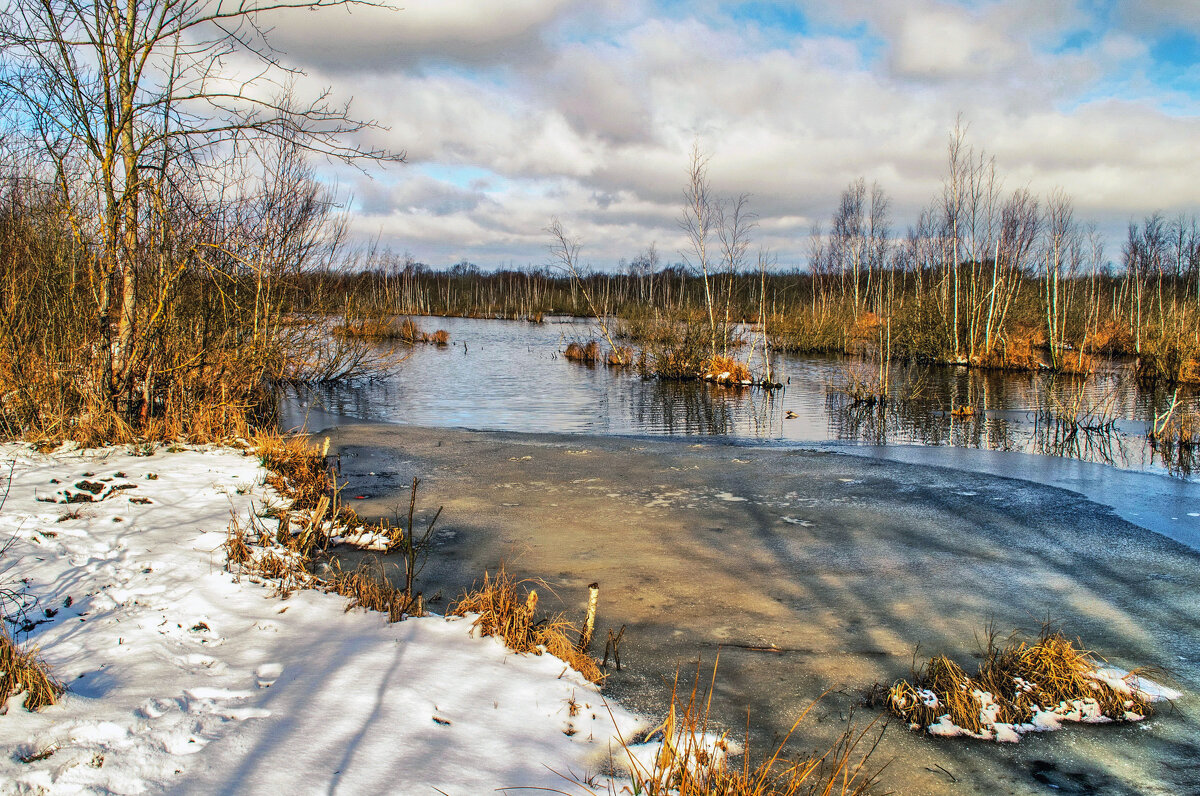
1043,298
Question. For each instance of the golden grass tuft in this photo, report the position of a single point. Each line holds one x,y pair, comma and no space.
237,550
1022,677
725,370
367,586
620,357
507,608
586,353
297,468
21,671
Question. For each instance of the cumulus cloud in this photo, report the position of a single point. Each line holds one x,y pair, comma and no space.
357,38
589,116
949,43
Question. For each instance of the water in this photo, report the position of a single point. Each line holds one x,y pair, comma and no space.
511,376
806,574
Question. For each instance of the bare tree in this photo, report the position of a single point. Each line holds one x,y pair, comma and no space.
120,97
564,251
698,221
734,224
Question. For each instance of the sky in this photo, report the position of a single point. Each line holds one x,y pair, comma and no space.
515,112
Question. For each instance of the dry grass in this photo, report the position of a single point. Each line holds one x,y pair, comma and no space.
696,761
725,370
586,353
368,329
368,587
379,329
22,672
297,469
287,557
621,357
1022,677
508,609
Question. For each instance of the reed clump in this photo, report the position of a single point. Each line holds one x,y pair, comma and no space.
296,469
1015,683
367,329
725,370
622,356
383,329
508,609
22,671
367,586
586,353
678,353
1171,358
1014,352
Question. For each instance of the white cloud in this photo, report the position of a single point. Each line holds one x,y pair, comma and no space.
949,43
592,124
370,38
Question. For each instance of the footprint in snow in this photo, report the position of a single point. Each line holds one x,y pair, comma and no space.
156,707
267,674
211,701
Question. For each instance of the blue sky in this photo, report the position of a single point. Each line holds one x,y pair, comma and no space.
514,112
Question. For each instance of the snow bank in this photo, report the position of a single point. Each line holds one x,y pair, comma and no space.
182,677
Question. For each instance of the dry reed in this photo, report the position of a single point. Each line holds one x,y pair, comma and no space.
367,586
725,370
586,353
1014,682
508,609
693,760
21,671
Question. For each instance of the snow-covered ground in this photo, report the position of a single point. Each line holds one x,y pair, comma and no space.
183,677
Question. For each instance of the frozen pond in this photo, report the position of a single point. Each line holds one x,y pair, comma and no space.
511,376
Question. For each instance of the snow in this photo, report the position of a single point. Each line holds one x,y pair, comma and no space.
1087,711
185,677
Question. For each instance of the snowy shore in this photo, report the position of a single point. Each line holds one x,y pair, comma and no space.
183,677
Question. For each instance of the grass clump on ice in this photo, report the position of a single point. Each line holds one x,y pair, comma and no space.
1022,686
508,609
21,671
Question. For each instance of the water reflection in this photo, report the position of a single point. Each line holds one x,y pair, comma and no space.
686,408
511,376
